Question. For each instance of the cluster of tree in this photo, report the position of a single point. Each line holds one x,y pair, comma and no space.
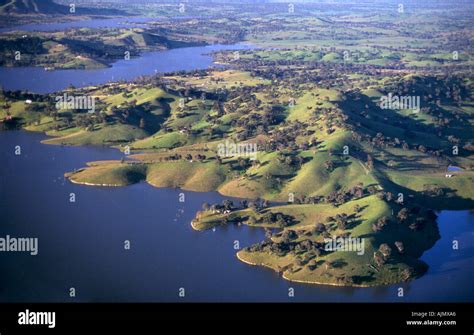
284,137
89,120
408,273
303,199
326,74
245,162
421,217
256,205
356,104
341,220
308,248
188,157
380,224
338,197
307,251
257,122
403,215
320,229
344,195
447,87
28,47
290,159
433,190
383,254
197,157
270,218
226,205
329,165
388,197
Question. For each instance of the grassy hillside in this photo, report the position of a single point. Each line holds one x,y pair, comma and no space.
32,7
48,7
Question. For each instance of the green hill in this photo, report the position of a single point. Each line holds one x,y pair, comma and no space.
32,7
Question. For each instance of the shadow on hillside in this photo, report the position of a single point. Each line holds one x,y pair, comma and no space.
445,199
145,116
388,121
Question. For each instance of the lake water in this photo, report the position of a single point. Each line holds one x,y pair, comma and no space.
38,80
81,244
452,168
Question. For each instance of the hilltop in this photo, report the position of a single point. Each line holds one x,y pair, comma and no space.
47,7
32,7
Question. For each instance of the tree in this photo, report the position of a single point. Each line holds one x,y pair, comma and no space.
402,214
253,205
371,189
268,233
200,157
407,274
252,220
370,162
380,224
243,162
142,123
379,259
329,165
385,250
312,264
341,220
320,228
422,148
289,235
418,224
400,247
228,204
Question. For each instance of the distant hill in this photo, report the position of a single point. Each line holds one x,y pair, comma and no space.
47,7
32,6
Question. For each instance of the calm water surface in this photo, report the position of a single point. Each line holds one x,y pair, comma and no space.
38,80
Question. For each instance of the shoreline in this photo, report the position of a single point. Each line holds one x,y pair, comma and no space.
92,184
239,257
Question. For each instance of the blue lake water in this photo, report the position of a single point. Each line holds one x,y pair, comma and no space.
81,244
38,80
454,168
